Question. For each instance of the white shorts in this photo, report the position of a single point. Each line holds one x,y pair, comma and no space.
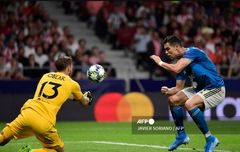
211,97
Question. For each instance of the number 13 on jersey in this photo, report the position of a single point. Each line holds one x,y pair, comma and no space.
55,87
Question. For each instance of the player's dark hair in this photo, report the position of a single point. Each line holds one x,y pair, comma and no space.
63,62
172,40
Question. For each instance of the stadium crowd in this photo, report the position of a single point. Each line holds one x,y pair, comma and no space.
31,41
138,27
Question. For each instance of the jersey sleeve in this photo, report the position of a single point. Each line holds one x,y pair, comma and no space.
76,91
182,75
190,54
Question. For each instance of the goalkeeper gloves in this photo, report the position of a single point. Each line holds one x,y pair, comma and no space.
89,95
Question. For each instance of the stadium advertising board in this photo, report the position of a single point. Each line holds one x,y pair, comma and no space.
112,103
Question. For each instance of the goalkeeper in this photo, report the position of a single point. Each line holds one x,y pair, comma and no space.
38,115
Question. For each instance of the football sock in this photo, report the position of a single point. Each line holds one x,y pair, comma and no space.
178,115
208,134
198,118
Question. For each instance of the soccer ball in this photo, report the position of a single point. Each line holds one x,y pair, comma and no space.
96,73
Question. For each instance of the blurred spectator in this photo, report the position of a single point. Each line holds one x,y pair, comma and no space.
82,45
141,40
130,15
125,37
2,68
115,20
94,57
237,44
10,50
66,32
223,66
64,47
160,14
184,15
40,57
51,62
101,25
154,46
14,69
80,74
31,70
72,44
110,71
234,70
93,8
29,48
21,58
55,52
2,45
143,9
80,51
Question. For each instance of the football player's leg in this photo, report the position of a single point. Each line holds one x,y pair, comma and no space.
177,110
176,103
198,117
44,132
51,141
205,99
193,106
5,136
16,129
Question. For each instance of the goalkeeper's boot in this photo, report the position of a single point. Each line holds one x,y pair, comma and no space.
212,143
181,139
25,148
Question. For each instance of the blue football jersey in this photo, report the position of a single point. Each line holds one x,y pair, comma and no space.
182,75
201,69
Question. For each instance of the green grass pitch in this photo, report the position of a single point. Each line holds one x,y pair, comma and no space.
118,137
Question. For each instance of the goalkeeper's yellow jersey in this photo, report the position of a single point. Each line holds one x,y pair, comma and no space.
52,91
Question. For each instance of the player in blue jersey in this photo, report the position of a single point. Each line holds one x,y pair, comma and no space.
208,92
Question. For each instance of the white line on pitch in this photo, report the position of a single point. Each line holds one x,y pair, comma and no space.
131,145
143,145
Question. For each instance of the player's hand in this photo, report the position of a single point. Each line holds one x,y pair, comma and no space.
165,90
89,96
156,58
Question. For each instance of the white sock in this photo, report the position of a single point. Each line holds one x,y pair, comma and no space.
208,134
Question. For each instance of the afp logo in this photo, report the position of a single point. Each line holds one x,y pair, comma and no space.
146,121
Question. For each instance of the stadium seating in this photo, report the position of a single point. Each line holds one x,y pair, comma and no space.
57,28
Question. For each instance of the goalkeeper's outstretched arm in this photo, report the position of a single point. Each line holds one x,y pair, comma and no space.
85,100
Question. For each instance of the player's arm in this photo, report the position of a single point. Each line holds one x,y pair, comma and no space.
85,99
171,91
176,67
